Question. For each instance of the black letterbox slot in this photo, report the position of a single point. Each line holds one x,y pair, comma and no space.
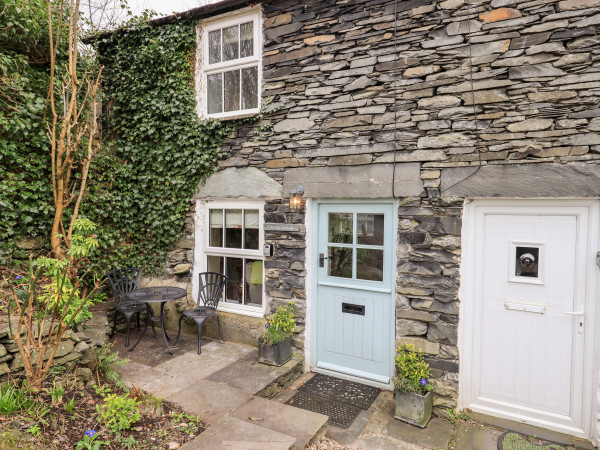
353,309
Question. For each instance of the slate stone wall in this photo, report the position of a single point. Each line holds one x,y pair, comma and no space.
448,84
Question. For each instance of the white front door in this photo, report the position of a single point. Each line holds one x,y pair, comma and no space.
528,323
354,287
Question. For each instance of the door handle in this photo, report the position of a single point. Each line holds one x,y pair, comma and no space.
322,259
579,321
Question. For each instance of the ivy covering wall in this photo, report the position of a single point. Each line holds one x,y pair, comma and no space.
25,188
158,150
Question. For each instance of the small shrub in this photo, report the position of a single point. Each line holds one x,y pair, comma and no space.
118,412
412,371
280,325
106,363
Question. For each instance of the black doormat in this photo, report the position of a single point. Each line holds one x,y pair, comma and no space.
339,399
340,414
343,391
511,440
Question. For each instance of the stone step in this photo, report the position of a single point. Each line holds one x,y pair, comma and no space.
259,421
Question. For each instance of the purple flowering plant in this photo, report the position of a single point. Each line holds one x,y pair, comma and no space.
89,441
412,371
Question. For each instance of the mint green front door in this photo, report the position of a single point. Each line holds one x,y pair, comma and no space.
355,277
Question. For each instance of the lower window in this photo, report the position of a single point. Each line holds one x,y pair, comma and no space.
232,243
244,279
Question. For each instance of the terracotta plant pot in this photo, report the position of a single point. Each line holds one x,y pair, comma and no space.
414,408
275,355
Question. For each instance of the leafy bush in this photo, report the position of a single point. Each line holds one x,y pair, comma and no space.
118,412
280,325
412,371
106,362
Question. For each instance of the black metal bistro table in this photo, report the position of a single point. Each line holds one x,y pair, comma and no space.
160,294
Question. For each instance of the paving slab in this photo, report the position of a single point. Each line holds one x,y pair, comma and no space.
209,400
234,434
249,375
470,436
191,367
370,442
225,351
152,351
435,435
301,424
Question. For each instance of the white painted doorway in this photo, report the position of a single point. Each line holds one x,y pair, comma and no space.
527,312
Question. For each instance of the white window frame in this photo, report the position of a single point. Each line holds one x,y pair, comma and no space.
203,250
247,14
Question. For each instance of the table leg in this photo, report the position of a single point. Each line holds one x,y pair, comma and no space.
162,326
148,318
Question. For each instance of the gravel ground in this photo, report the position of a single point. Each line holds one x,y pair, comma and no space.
327,444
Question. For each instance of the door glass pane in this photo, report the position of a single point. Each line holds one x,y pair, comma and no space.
231,44
369,229
250,88
254,282
369,264
215,264
246,39
215,93
340,228
339,262
214,47
251,229
216,228
234,271
233,230
232,90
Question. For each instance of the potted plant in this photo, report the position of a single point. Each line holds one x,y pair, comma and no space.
275,344
414,397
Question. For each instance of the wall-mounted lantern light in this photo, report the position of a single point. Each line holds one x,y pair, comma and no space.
297,198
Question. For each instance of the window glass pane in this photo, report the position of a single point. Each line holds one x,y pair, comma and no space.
234,272
339,262
231,43
233,230
340,228
250,88
369,229
369,264
251,230
527,262
215,264
254,282
214,47
216,228
246,39
215,93
232,90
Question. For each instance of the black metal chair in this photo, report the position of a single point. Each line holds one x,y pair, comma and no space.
122,282
210,291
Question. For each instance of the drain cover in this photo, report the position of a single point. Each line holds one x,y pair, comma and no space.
342,391
340,414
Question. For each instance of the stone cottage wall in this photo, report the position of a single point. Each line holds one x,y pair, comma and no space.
350,87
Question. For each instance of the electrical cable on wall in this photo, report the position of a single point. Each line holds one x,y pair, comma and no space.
477,139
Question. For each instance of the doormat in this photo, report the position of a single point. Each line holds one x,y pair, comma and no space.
512,440
343,391
339,399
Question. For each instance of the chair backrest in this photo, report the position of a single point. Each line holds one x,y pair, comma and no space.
210,289
123,281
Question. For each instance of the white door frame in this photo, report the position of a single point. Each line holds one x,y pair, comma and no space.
312,255
592,324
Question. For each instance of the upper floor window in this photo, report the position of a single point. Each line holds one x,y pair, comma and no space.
231,66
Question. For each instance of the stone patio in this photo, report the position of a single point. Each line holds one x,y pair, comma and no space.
242,402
